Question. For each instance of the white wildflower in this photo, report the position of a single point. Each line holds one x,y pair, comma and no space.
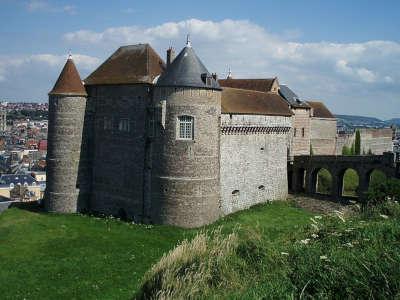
323,257
314,235
349,244
312,220
284,253
318,217
384,216
305,242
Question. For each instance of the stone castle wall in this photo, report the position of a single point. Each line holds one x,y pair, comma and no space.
378,140
118,152
185,173
323,136
300,144
253,160
66,118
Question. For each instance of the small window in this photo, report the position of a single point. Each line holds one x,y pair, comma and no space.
295,131
235,192
185,127
261,187
108,123
124,125
302,132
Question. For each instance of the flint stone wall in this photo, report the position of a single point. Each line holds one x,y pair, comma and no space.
185,173
253,165
118,156
323,136
66,118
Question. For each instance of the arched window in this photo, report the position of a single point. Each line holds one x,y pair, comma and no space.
185,128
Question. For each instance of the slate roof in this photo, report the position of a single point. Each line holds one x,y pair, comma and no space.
7,179
186,70
291,97
320,110
128,65
239,101
69,82
261,85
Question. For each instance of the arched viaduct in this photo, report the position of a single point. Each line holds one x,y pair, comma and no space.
303,172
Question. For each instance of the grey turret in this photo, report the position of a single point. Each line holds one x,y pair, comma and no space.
185,174
67,104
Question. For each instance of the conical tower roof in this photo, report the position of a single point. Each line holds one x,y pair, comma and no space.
187,70
69,82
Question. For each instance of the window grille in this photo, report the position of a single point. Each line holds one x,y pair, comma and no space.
124,125
185,127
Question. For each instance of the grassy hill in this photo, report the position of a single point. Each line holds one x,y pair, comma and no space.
55,256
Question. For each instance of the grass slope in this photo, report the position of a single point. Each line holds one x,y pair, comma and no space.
54,256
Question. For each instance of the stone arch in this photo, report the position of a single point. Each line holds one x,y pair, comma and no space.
379,176
349,182
301,179
322,181
290,181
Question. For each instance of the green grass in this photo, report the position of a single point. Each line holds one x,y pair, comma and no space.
331,258
55,256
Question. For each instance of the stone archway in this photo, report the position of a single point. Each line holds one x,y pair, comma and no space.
349,181
322,182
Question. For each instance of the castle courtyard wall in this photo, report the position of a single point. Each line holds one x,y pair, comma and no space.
323,136
378,140
253,160
300,144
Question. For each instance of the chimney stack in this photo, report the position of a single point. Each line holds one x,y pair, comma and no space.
170,56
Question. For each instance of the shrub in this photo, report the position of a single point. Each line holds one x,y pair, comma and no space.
193,268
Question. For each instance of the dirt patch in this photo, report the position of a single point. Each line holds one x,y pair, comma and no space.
321,206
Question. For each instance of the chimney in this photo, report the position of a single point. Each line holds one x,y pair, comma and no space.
170,56
214,75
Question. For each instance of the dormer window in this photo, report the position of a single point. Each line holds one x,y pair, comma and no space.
185,128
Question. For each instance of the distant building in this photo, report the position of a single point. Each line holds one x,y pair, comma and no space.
8,182
3,120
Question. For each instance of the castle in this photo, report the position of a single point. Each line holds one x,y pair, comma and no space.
169,143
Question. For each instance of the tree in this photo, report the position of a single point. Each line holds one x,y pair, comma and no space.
357,145
346,150
353,149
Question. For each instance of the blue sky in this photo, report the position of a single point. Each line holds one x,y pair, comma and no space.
345,53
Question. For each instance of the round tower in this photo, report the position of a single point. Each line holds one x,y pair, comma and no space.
67,104
185,172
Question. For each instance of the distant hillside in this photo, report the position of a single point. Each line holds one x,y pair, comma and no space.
348,121
395,121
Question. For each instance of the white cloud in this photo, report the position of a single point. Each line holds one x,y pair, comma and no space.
349,77
45,6
9,65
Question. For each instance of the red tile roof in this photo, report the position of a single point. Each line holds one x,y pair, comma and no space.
320,110
261,85
69,82
129,64
239,101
